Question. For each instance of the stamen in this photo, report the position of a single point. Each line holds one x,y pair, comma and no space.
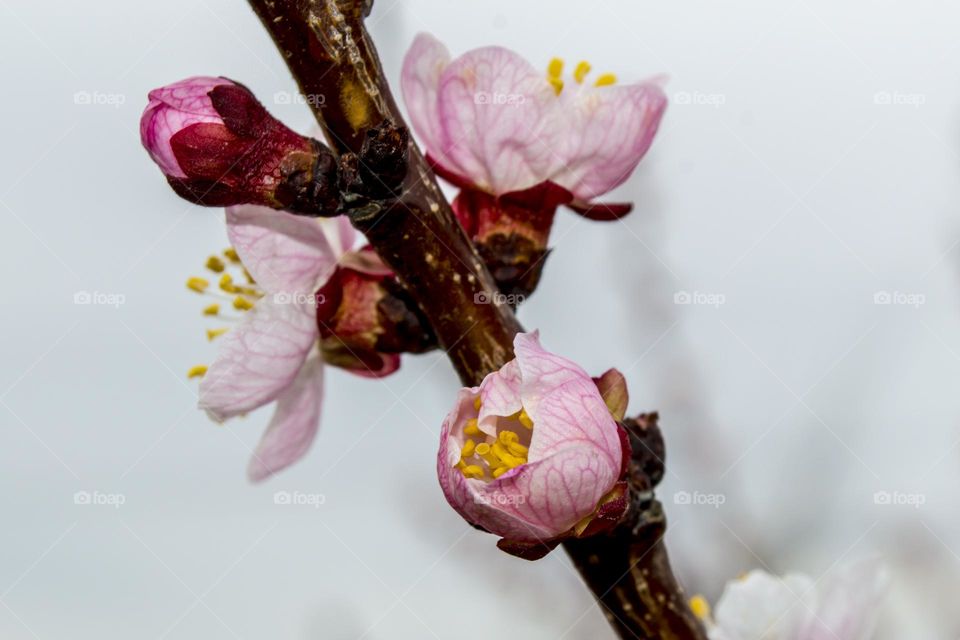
700,607
476,403
581,71
242,304
197,284
231,255
525,419
554,71
216,333
606,80
226,283
499,471
473,471
472,429
468,448
197,372
518,449
555,68
215,264
212,310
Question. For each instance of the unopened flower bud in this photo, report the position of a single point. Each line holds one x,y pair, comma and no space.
533,454
218,146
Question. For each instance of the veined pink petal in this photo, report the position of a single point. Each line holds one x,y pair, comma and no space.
283,252
500,121
340,234
259,359
294,424
564,404
608,131
171,109
365,261
499,396
420,81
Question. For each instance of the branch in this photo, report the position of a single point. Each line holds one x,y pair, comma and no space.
333,59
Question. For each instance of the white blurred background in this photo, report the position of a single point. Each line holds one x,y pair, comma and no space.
808,161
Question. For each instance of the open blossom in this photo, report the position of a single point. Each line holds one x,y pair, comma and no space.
841,606
275,354
532,452
519,143
218,146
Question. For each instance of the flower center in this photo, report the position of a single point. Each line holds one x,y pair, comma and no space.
240,297
555,75
486,457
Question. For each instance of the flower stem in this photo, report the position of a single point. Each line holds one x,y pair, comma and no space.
332,57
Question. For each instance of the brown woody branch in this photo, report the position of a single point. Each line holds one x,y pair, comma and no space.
330,53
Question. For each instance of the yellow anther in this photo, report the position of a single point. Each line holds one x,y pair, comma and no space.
472,429
468,448
226,283
483,449
506,437
246,274
557,85
461,465
197,284
525,419
505,457
581,71
499,471
700,607
197,371
555,68
215,264
212,310
606,80
518,449
242,304
472,471
476,403
231,254
216,333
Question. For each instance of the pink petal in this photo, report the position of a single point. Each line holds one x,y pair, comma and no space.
565,406
339,233
365,261
283,252
609,129
258,359
499,396
294,424
847,602
170,110
419,81
500,121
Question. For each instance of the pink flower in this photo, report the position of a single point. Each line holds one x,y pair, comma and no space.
172,109
532,452
274,355
492,123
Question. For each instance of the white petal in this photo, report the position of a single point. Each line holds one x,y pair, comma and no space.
259,359
294,424
761,606
283,252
